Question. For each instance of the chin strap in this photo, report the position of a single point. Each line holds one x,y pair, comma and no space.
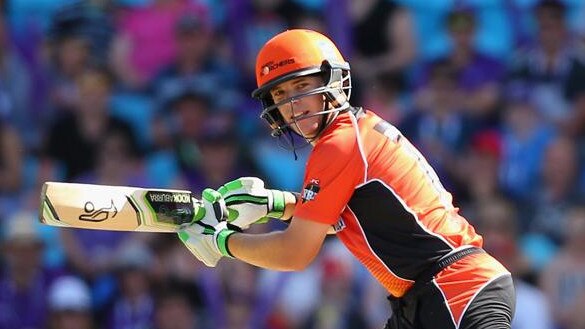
292,144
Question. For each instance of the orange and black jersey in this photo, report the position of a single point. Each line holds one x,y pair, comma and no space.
389,207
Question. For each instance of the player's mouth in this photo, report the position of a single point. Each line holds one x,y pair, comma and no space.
301,115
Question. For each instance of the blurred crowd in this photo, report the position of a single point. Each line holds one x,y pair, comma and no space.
155,93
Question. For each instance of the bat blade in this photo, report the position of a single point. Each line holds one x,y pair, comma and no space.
117,208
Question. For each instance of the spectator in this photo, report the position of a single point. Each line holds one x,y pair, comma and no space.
15,88
221,156
69,303
185,107
24,282
337,303
556,192
498,224
478,171
139,50
118,161
251,23
12,155
240,298
554,69
73,139
69,57
133,306
197,57
563,280
178,308
391,26
436,124
387,95
478,75
524,137
84,19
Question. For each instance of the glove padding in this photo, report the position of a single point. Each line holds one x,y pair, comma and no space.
207,237
249,202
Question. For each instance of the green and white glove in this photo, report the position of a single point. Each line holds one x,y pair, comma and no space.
249,202
207,237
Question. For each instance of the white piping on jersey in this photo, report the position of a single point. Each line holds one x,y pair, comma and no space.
396,136
455,325
359,141
370,247
431,174
475,295
403,203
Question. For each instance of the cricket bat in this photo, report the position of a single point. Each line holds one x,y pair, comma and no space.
117,208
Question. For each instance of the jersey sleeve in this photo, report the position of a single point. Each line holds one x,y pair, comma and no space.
335,167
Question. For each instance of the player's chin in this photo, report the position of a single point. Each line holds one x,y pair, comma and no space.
308,132
308,128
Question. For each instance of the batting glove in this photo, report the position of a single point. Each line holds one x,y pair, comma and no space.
249,202
207,237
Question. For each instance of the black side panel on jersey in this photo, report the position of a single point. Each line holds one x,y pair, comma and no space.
393,233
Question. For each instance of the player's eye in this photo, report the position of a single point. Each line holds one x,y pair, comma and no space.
302,86
277,95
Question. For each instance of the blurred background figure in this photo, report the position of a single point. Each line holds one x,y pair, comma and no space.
77,38
478,172
16,88
12,153
387,96
553,67
132,305
563,280
556,192
477,75
336,308
251,23
69,304
24,281
222,157
73,138
184,109
498,224
199,56
139,52
391,26
437,125
178,308
524,138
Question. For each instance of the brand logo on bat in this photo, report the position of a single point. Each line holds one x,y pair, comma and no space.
98,215
170,197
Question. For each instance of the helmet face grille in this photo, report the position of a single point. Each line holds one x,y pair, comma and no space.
336,92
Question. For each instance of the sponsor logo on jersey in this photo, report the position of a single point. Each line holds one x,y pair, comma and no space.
339,226
310,191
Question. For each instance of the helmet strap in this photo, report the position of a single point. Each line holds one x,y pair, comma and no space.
292,144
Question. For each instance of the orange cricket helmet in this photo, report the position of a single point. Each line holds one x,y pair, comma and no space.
295,53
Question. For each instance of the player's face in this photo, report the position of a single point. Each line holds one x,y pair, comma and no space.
297,111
